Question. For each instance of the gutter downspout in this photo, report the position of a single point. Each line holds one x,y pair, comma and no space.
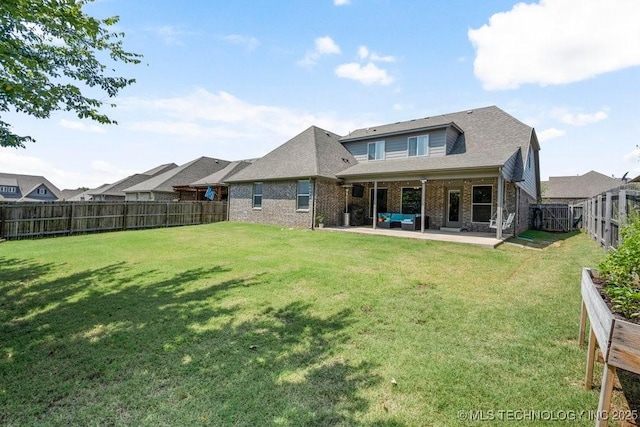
499,206
228,201
422,204
375,204
313,205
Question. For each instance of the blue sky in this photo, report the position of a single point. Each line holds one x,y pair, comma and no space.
235,79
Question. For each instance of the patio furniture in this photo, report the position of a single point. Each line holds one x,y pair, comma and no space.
396,220
506,223
413,224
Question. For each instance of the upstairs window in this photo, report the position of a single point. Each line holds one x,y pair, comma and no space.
41,191
302,203
376,150
6,189
418,146
257,195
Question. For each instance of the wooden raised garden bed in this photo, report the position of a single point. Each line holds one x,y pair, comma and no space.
618,340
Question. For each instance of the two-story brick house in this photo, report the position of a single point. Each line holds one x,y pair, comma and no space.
461,170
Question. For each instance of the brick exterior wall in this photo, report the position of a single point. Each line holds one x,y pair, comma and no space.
330,201
436,200
279,203
523,210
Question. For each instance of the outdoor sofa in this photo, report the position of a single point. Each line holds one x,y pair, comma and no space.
400,220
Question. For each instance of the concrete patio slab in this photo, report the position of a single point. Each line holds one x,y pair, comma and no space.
471,238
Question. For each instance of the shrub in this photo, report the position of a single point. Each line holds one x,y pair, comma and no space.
620,270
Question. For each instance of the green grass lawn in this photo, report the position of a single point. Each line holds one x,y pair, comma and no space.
249,325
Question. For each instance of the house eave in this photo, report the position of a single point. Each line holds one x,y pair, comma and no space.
349,138
459,173
280,179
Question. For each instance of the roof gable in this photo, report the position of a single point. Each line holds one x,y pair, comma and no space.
118,187
584,186
220,177
489,138
27,184
182,175
313,153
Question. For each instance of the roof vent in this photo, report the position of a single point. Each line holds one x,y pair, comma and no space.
327,133
470,111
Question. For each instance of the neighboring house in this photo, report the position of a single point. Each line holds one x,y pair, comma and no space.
469,168
217,182
27,188
160,187
115,191
293,182
77,195
573,189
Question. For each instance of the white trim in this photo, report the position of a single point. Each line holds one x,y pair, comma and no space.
426,146
298,209
449,191
371,201
412,187
253,195
482,204
375,150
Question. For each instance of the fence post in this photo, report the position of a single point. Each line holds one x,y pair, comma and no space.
607,221
2,209
125,210
599,220
622,212
71,213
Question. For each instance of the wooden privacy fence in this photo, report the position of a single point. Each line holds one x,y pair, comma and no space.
605,214
29,220
553,217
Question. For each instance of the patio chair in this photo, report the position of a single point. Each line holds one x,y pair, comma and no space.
506,223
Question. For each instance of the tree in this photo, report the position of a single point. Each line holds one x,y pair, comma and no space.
49,51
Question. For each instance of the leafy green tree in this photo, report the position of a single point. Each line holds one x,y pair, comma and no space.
49,51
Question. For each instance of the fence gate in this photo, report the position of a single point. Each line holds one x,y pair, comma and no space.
551,217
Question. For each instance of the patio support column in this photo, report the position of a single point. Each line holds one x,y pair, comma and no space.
499,206
422,203
375,204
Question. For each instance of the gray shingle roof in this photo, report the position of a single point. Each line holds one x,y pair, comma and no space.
490,138
182,175
117,188
315,153
579,187
220,177
27,184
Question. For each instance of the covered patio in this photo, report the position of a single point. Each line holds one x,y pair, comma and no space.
470,238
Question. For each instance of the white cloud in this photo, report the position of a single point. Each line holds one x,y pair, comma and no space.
368,74
632,156
100,172
579,119
323,46
556,42
247,42
170,35
221,118
551,133
341,2
363,53
82,126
